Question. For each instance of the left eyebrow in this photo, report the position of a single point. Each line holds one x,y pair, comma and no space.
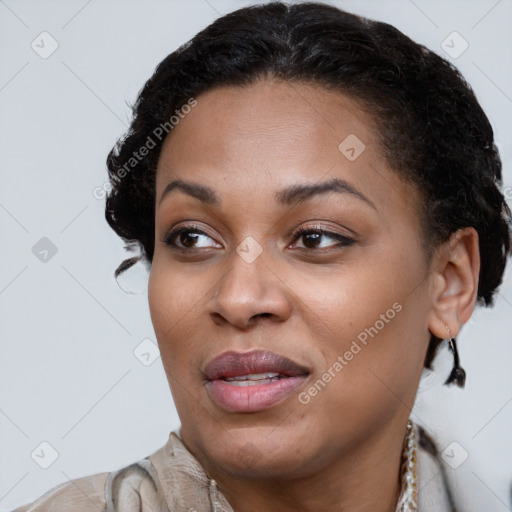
287,197
300,193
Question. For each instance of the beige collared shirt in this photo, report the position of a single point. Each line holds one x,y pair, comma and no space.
172,480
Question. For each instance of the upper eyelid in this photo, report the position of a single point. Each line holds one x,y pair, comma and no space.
342,239
295,231
186,228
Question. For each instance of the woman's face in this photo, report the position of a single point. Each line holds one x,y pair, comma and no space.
349,307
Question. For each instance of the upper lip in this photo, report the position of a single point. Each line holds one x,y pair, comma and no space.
234,364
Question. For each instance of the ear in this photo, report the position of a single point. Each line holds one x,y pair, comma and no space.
454,281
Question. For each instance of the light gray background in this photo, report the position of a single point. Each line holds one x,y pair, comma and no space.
68,374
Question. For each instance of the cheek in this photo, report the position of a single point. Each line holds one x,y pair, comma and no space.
375,325
172,297
172,306
172,310
349,301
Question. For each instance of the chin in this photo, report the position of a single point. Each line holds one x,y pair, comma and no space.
260,453
250,462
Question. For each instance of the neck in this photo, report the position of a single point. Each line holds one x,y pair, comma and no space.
366,479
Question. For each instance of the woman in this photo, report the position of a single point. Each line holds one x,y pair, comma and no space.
317,198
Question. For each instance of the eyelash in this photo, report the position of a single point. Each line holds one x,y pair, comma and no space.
344,241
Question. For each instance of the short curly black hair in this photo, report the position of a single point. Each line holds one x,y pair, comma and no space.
432,129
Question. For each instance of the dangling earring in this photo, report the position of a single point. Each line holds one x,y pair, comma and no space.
457,375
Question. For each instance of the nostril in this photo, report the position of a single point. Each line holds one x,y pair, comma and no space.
255,318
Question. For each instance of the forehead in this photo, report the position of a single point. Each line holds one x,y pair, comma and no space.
273,134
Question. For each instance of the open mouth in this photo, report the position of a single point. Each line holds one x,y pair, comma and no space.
254,379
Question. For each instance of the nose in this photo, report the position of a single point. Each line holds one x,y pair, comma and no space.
249,292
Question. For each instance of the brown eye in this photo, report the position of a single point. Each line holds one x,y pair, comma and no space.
313,237
188,237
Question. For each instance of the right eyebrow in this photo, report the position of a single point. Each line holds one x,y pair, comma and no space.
201,192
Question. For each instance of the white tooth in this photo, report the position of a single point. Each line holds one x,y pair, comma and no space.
241,383
254,376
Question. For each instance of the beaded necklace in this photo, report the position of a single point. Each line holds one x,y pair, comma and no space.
408,500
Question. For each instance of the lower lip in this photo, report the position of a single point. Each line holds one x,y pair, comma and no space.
252,398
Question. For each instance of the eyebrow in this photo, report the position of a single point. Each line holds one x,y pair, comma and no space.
286,197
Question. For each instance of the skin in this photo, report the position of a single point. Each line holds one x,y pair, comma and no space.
303,298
